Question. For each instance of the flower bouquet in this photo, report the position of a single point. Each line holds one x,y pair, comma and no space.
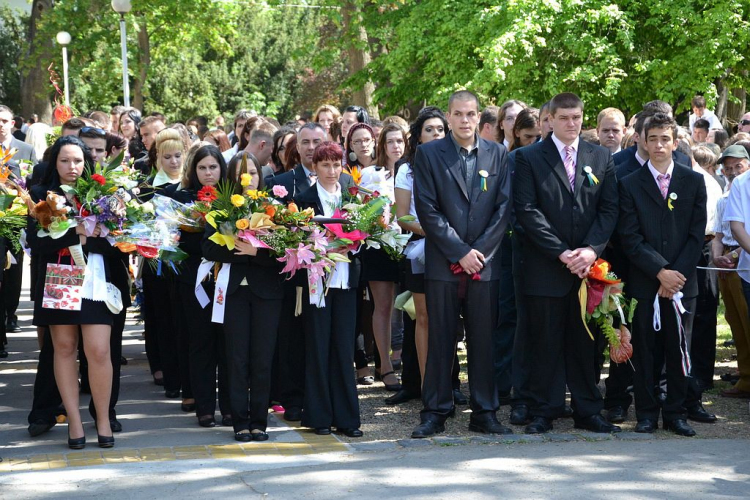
601,299
370,221
13,209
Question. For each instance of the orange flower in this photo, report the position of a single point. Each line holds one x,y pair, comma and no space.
270,210
599,271
292,207
125,247
356,174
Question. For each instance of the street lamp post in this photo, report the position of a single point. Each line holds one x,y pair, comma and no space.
122,7
63,38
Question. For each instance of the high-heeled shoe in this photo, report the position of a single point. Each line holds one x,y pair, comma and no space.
77,443
105,441
390,387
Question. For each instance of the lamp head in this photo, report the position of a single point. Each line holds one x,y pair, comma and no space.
63,38
121,6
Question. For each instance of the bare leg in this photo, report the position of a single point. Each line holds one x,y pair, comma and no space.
421,331
65,342
382,295
96,346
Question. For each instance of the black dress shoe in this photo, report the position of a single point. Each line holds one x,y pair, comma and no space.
401,396
115,425
699,414
616,414
226,420
123,361
159,381
40,427
519,415
243,437
172,394
539,425
596,423
323,431
679,427
646,426
293,414
427,429
77,443
207,421
105,441
187,407
12,327
259,435
488,425
352,433
459,398
567,412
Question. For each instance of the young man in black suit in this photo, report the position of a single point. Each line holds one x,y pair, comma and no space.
661,226
462,187
565,199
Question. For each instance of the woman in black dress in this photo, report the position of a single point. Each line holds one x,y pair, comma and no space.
68,157
205,339
330,390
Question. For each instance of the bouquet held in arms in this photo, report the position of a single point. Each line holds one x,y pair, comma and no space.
14,202
370,221
190,217
601,299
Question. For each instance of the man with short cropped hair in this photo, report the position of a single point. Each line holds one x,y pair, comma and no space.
700,130
149,127
488,123
610,127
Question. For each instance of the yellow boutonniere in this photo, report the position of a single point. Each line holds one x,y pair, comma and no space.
672,197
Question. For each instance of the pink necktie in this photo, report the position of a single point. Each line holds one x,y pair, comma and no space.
663,184
570,166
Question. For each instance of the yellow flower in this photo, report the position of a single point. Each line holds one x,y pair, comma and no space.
253,194
245,180
2,214
242,224
237,200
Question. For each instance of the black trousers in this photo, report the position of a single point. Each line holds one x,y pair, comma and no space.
505,333
291,351
206,354
331,391
618,381
480,313
250,326
654,351
703,348
11,289
151,307
561,352
46,402
521,352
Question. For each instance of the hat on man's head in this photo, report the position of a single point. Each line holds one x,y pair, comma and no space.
734,151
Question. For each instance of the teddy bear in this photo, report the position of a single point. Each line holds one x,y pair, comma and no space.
49,210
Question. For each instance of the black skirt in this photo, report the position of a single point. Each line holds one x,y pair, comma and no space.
377,266
91,313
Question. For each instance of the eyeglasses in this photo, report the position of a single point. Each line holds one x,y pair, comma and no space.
361,142
93,130
744,122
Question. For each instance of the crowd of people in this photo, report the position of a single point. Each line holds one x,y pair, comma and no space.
509,208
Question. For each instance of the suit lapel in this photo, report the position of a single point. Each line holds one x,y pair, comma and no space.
302,179
483,163
454,164
649,185
583,159
555,161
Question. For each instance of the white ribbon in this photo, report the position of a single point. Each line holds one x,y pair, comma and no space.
76,252
220,293
414,251
679,309
619,309
95,286
315,286
200,293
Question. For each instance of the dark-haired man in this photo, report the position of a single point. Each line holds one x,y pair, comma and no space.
661,226
700,130
565,199
462,193
488,123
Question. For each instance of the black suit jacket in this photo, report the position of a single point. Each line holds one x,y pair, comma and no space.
554,219
629,154
453,223
654,237
310,199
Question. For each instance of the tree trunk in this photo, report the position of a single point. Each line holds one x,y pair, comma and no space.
359,57
736,110
35,86
144,61
721,103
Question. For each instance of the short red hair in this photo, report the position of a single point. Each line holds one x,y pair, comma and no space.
328,151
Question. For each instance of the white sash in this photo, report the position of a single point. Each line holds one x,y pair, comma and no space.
220,293
200,292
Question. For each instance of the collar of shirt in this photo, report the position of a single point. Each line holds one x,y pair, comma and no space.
506,144
329,201
560,145
640,159
458,147
307,171
656,173
6,144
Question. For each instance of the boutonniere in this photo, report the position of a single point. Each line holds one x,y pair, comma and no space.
672,197
590,174
484,174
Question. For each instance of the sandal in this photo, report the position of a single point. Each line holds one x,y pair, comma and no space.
391,387
259,435
243,436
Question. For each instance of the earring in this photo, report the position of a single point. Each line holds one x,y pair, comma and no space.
352,156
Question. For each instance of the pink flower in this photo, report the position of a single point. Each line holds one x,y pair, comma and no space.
304,255
290,260
318,240
280,191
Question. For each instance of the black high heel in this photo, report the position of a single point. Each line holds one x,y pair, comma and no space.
77,443
390,387
105,441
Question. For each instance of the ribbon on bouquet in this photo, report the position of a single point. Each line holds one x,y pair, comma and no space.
200,293
95,286
679,310
338,278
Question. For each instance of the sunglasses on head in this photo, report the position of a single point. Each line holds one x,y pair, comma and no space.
94,130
